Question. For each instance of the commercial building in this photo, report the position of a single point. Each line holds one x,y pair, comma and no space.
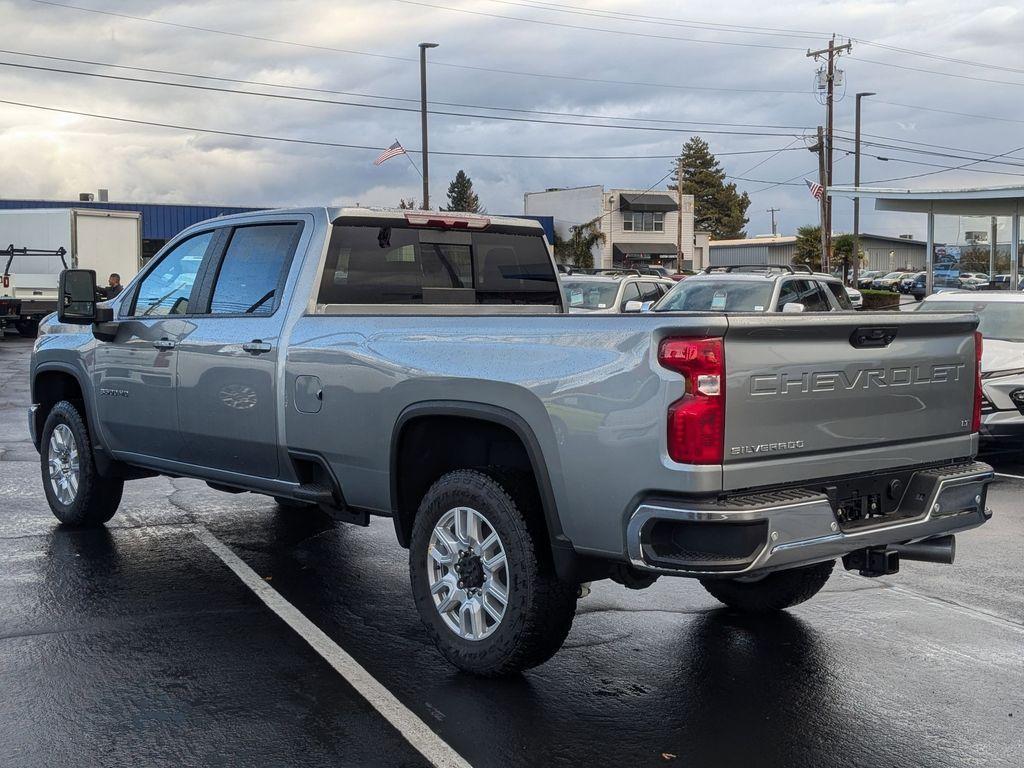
881,252
641,227
979,214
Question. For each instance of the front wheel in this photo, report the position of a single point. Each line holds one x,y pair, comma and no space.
481,577
782,589
78,496
27,328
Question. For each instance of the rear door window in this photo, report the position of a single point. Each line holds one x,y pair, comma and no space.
649,292
253,269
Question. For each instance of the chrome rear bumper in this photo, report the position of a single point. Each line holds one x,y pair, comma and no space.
795,527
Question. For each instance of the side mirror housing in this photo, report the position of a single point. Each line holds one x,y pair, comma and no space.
792,306
633,306
77,295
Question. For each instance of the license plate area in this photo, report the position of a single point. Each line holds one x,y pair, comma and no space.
878,498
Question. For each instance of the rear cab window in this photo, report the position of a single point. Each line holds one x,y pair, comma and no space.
392,263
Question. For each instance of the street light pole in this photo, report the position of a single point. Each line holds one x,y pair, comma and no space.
423,123
856,183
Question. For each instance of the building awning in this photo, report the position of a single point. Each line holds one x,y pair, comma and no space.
647,202
636,249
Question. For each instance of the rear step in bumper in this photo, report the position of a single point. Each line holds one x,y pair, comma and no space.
760,533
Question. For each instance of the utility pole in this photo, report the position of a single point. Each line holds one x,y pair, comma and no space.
773,211
831,53
826,239
856,200
679,214
423,122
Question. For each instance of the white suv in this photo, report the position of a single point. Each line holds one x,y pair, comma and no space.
758,288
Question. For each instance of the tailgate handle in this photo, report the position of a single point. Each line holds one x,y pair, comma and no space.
873,338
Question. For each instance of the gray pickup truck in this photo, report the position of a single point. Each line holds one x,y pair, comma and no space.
422,366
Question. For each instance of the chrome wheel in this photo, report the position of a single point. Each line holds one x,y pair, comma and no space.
62,462
468,573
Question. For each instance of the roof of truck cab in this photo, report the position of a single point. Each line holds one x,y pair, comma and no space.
401,213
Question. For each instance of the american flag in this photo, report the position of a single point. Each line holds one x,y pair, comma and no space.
816,189
394,150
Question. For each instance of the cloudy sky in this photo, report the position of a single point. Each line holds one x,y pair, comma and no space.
949,77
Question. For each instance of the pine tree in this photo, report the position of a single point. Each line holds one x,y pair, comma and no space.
461,196
717,207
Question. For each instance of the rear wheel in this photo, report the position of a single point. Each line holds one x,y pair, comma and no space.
774,592
77,494
481,578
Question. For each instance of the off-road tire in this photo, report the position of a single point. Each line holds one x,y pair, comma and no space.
782,589
97,498
540,606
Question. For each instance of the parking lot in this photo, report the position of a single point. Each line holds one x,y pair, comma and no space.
201,628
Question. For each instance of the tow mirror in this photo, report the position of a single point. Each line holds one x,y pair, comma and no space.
633,306
77,291
792,306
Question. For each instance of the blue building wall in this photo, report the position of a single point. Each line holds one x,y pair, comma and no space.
163,221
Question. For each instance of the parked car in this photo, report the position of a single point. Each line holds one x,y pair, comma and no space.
420,366
973,281
1004,282
610,294
1001,323
907,283
757,288
919,288
864,279
855,297
889,282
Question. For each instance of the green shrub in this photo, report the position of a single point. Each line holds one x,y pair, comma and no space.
880,300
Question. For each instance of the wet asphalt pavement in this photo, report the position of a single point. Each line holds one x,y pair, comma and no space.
136,645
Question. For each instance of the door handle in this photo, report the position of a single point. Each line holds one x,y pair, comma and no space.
256,347
164,343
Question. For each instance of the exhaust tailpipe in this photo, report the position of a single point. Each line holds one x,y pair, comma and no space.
941,549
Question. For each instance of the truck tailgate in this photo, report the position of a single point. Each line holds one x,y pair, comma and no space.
823,387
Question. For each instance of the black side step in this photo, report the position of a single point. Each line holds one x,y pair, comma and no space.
323,495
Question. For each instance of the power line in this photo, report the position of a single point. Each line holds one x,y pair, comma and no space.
627,33
975,78
264,84
937,57
433,63
670,21
313,142
386,107
947,111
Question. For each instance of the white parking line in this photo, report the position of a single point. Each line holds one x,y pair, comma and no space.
1005,474
415,731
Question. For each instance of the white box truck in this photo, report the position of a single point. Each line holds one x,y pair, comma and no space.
31,241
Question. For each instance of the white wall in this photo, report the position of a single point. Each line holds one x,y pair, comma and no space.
569,207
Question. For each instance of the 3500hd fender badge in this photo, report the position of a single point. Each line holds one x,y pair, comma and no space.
786,445
113,392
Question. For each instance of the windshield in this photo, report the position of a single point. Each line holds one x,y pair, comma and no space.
587,294
999,320
893,275
717,296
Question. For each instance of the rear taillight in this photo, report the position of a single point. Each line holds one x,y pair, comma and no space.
976,421
696,421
